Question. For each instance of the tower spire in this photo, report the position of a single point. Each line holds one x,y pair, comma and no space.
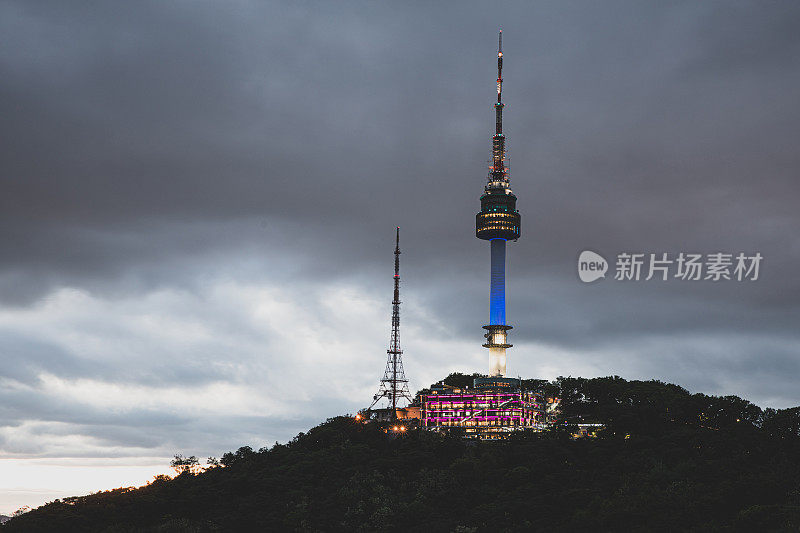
394,385
498,173
499,68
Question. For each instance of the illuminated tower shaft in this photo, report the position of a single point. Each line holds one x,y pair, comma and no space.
498,222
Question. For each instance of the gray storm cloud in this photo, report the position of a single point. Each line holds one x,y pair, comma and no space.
184,183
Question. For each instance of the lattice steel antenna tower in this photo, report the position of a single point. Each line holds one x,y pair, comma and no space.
394,385
497,222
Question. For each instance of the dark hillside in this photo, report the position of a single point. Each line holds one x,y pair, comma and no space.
668,461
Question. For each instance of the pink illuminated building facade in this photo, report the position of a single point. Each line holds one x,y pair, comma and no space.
494,408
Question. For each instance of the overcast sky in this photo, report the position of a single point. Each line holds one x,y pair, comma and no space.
199,199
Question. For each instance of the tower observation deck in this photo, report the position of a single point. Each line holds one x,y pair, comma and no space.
498,222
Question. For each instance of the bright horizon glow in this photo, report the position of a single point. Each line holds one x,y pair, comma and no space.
34,482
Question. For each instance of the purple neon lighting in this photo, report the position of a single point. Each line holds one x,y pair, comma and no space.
518,411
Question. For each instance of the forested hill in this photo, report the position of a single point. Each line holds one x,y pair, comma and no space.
667,461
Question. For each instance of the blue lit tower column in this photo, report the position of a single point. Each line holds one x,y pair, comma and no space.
498,222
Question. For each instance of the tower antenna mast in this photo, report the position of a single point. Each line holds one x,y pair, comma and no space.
394,385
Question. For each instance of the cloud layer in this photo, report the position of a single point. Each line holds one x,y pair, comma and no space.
199,201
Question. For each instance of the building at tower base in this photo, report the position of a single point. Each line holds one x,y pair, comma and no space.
494,408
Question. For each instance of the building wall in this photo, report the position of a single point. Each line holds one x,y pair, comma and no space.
482,413
407,413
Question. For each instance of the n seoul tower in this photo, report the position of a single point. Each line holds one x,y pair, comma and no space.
498,222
